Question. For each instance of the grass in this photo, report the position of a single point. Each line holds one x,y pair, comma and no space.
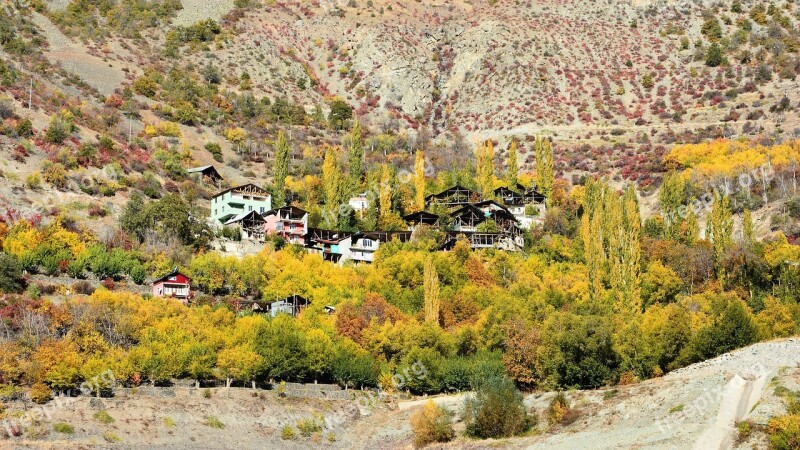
111,437
608,395
64,428
676,408
103,417
213,422
169,422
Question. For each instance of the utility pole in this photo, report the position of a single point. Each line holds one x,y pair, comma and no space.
30,94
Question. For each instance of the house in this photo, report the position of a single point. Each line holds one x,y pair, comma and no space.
250,223
359,203
332,245
467,218
288,222
527,205
206,173
455,196
363,245
415,219
479,240
174,284
291,305
233,202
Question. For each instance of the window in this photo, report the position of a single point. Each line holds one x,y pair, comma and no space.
250,208
367,243
261,210
215,212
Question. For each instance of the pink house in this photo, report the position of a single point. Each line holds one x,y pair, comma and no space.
288,222
173,284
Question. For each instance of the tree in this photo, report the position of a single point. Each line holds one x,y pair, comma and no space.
431,288
485,155
545,179
331,187
320,351
282,345
355,158
239,363
419,181
748,229
339,114
720,226
10,274
672,195
715,56
521,356
281,169
512,171
432,424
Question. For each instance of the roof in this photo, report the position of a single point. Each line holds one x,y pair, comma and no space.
244,215
212,171
469,208
489,203
172,273
455,190
328,236
421,216
252,186
384,236
294,211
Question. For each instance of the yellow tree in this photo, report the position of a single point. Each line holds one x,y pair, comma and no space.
431,288
385,191
331,186
485,156
419,181
545,179
720,226
513,165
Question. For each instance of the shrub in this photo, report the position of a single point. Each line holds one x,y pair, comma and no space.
111,437
213,422
41,393
559,412
784,432
103,417
432,424
169,422
287,433
496,410
83,287
309,426
64,428
34,180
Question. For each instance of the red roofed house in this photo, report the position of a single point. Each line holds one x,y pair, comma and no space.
173,284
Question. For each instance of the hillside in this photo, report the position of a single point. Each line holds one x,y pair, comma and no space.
641,415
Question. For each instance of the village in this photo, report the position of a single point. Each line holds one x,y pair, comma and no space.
497,223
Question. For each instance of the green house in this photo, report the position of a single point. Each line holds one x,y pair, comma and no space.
238,201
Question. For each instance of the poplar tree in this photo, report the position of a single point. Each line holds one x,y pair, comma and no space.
513,166
720,230
331,187
544,167
431,288
671,196
485,156
385,191
281,169
355,158
748,228
419,181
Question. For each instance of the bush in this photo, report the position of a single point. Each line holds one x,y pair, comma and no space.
111,437
103,417
83,287
559,411
496,410
64,428
34,181
287,433
784,432
308,427
432,424
213,422
41,393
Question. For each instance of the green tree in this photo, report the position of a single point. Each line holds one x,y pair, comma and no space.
715,56
355,157
339,114
672,195
720,226
283,346
10,274
281,169
496,410
331,187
